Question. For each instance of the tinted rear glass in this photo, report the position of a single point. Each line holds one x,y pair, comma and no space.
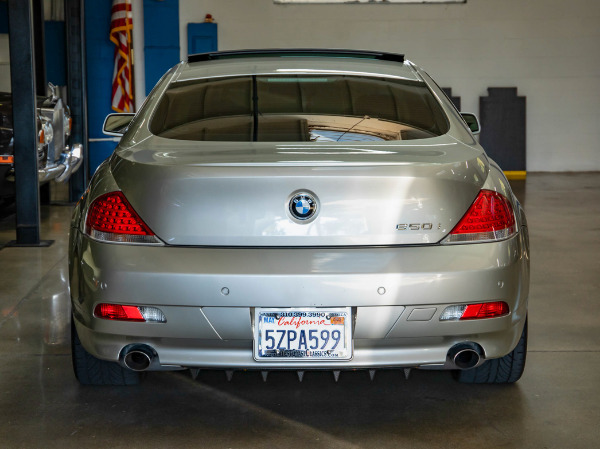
298,108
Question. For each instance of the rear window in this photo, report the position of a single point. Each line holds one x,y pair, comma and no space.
298,108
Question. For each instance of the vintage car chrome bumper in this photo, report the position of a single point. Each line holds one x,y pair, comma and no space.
69,162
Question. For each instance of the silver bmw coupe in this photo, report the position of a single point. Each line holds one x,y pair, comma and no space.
298,210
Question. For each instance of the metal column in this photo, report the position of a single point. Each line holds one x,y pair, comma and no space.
22,56
39,47
74,26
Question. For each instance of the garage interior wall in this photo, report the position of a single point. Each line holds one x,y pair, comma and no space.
548,49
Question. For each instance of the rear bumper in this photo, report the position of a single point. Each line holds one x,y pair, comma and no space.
206,328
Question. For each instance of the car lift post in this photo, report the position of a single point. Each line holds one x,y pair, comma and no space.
22,74
76,87
41,83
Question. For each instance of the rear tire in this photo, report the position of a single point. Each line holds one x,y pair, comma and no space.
90,370
505,370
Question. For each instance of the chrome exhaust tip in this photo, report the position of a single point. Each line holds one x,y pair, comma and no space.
465,355
138,357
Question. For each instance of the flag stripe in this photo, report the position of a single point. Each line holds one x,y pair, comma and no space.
121,27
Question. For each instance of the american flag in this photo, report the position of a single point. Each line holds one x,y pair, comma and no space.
121,27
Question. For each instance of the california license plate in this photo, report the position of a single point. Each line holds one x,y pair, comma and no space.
307,333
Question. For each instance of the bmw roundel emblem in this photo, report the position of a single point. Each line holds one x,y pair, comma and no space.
303,206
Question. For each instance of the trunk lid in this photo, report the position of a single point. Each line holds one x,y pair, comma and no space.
238,194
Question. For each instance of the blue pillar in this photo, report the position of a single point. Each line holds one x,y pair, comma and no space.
99,65
161,39
161,47
56,56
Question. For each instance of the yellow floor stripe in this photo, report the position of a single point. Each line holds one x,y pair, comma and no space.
516,175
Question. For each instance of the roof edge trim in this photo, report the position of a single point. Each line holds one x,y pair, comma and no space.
298,52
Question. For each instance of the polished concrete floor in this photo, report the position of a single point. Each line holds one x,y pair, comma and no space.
555,405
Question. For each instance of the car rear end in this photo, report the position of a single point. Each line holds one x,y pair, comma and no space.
294,213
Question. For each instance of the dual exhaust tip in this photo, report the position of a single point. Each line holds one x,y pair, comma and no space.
462,356
465,355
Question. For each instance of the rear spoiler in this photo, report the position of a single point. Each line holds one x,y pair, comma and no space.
296,52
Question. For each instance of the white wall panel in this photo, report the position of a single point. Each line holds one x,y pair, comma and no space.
548,49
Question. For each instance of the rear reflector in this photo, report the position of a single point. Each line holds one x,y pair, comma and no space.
461,312
111,218
489,218
120,312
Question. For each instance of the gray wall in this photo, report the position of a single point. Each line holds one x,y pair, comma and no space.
4,64
549,49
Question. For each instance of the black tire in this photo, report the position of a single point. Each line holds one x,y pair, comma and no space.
92,371
505,370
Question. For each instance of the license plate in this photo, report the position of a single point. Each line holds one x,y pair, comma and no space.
307,333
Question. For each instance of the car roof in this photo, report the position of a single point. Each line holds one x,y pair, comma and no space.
287,52
297,61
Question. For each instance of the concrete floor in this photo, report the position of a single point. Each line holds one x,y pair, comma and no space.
555,405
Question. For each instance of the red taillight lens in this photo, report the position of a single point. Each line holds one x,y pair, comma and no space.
485,310
112,212
111,218
460,312
489,218
118,312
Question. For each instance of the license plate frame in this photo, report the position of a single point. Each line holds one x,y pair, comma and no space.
307,319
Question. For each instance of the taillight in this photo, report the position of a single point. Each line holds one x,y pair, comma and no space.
461,312
489,218
118,312
111,218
